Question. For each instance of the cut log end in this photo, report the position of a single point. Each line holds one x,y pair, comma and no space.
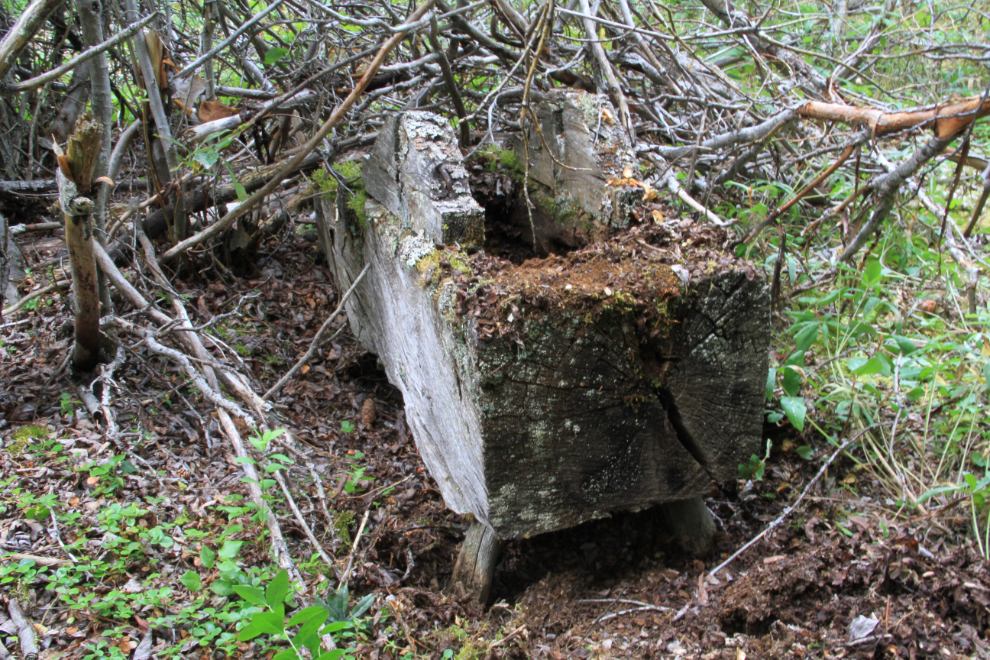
476,562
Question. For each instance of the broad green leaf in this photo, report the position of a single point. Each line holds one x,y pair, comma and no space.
871,274
302,616
191,581
287,654
277,588
253,595
229,549
771,382
873,366
332,655
792,381
805,452
904,345
206,158
207,557
275,54
795,409
249,632
363,605
222,587
806,336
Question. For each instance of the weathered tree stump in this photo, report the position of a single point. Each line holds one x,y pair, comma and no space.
546,394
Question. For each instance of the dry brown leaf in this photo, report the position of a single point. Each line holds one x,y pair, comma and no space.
213,110
657,217
607,116
928,305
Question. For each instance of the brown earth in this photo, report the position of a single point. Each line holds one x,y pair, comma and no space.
609,589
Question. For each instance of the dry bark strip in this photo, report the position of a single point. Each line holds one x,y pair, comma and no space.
947,120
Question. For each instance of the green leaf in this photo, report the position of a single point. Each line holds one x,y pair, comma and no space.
311,627
904,345
805,452
191,581
302,616
871,274
771,381
207,557
277,588
792,381
249,632
287,654
253,595
873,366
332,655
806,336
222,588
245,459
363,605
795,410
275,54
229,549
206,158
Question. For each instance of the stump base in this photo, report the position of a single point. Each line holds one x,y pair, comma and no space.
691,524
476,563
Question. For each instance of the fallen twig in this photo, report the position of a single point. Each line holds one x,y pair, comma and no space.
25,631
317,340
792,508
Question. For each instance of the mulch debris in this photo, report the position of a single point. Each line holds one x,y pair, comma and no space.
842,579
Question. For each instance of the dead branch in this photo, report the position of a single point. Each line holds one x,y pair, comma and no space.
947,121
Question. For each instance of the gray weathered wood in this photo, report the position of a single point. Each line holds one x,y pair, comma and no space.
416,172
587,400
691,525
579,147
476,562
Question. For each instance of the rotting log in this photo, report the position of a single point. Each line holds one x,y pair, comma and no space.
544,394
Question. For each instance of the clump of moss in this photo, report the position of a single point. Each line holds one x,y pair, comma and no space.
350,171
458,265
357,204
497,155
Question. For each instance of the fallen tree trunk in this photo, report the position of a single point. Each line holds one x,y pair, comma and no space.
553,392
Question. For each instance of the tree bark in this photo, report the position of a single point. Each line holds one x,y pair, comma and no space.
91,18
23,31
75,183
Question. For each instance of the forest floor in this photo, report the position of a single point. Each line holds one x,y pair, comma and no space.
134,528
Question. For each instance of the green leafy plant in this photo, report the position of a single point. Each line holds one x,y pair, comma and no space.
303,629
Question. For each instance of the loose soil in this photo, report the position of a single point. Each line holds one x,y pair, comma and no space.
614,588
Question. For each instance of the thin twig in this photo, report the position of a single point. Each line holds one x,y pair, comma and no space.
317,340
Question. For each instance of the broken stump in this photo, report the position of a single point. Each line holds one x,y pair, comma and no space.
545,394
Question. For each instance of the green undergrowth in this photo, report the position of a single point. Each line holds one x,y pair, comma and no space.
206,575
885,351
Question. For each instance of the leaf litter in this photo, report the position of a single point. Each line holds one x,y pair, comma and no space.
133,531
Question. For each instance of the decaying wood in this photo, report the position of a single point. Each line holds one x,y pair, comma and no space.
577,148
415,171
591,397
691,524
75,183
476,562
